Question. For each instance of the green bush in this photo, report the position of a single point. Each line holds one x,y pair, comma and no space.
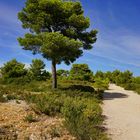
11,96
12,92
77,91
138,89
2,98
37,70
101,84
82,118
49,104
30,118
129,86
38,86
81,72
21,80
13,69
77,101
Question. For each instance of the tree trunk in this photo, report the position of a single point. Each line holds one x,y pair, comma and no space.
54,77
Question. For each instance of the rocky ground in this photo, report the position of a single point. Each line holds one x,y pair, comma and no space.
19,122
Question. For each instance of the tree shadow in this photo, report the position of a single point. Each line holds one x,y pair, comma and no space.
80,88
113,95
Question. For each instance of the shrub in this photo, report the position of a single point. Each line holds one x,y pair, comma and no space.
19,81
37,86
77,101
11,96
30,118
101,84
38,71
49,104
82,118
129,86
138,90
13,69
2,98
62,74
55,132
81,72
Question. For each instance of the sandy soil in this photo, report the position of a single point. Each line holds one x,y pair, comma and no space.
122,111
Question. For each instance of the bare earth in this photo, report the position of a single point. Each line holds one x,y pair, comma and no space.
122,111
14,127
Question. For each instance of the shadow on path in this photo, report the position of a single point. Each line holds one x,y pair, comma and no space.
113,95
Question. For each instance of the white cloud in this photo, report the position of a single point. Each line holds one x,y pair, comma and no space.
131,43
120,47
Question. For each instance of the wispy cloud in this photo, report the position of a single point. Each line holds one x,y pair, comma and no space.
8,14
118,44
118,47
131,43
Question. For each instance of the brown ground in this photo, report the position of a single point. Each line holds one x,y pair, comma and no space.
122,111
13,125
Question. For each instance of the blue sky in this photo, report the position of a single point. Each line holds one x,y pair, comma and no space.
117,47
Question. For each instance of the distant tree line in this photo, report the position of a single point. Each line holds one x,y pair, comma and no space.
16,72
124,79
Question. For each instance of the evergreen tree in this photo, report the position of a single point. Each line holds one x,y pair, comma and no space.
58,31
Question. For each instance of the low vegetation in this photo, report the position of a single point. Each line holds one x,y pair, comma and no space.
76,100
30,118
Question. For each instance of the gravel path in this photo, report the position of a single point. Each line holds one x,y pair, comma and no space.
122,111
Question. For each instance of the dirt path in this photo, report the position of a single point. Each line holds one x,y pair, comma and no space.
122,111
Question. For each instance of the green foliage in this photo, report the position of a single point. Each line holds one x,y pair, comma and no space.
37,70
49,104
11,92
124,79
60,48
99,74
62,73
101,84
58,30
82,118
136,80
14,72
133,85
76,101
138,89
30,118
55,132
54,16
20,80
81,72
115,75
2,98
108,75
13,69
